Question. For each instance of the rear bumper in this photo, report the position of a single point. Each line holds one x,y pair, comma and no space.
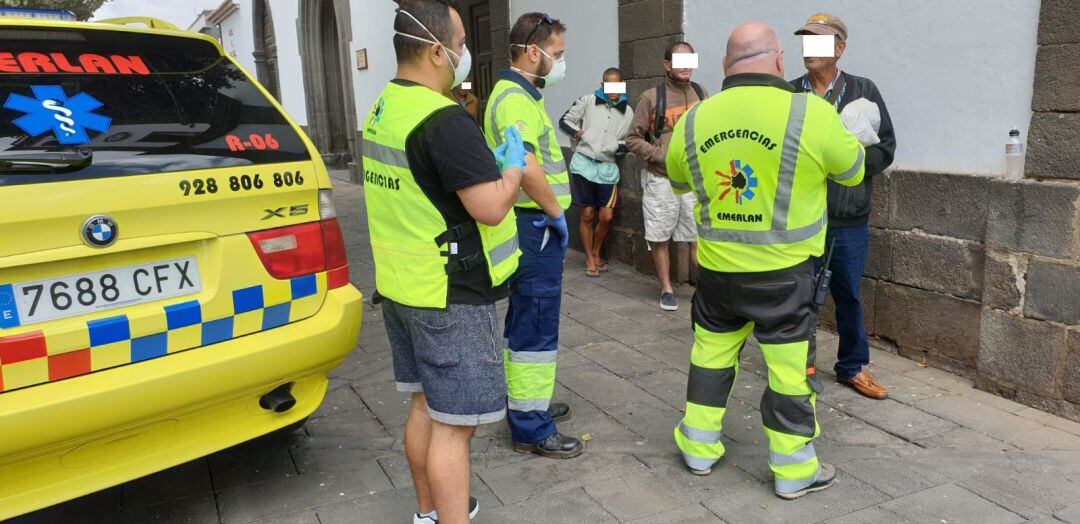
65,439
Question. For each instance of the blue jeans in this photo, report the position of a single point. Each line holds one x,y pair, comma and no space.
532,321
848,264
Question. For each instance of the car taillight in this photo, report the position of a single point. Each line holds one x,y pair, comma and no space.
304,249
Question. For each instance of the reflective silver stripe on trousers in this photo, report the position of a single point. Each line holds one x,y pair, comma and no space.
788,160
502,252
533,357
778,234
698,462
558,189
385,154
799,457
847,175
791,486
699,435
532,404
495,111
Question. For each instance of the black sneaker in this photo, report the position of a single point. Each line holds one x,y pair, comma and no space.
555,446
474,508
826,476
668,303
559,411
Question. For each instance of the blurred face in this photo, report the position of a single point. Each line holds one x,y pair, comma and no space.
682,75
823,64
614,97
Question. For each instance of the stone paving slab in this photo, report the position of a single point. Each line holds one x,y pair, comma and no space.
936,451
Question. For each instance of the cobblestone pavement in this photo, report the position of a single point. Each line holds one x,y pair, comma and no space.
936,451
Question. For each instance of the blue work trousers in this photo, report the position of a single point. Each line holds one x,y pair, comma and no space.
532,321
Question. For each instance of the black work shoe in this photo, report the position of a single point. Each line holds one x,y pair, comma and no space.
555,446
559,411
826,476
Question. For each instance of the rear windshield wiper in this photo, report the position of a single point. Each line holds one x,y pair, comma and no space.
64,161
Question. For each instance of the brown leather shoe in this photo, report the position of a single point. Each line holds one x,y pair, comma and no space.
866,386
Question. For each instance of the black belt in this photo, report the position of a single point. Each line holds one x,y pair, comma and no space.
465,263
456,233
460,263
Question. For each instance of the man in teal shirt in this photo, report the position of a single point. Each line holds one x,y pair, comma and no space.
598,123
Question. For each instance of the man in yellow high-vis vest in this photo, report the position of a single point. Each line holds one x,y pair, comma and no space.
444,245
532,323
757,157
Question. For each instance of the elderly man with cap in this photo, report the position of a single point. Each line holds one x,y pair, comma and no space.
859,102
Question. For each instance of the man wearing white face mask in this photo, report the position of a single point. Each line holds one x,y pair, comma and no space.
537,45
444,245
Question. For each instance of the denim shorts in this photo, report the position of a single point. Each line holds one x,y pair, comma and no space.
453,356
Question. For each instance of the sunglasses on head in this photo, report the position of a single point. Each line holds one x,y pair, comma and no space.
545,19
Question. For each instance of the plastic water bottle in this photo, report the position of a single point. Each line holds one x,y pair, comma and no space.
1014,155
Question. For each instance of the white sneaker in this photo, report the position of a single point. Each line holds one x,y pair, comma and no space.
474,508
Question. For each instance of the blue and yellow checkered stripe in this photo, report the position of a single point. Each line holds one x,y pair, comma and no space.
154,332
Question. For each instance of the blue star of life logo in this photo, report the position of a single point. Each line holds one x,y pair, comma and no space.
51,109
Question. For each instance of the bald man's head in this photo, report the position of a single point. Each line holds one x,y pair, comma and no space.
754,48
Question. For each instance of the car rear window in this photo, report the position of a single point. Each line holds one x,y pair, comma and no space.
139,103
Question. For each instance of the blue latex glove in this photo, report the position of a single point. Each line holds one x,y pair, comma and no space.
559,225
511,153
500,156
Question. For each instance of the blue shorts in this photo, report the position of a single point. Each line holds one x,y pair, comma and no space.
451,356
586,193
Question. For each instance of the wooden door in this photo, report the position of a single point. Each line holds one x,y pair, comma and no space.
477,17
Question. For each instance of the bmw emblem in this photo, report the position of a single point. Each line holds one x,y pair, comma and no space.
100,231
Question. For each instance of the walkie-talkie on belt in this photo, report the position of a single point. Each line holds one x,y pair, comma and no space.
821,290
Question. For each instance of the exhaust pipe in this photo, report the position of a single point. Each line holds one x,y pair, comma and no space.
279,400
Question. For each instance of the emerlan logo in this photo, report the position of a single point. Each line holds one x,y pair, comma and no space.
740,183
740,217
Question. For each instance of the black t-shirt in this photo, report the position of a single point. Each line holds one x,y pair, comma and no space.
447,152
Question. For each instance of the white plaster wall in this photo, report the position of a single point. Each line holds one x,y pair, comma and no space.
592,45
956,75
290,68
237,38
372,28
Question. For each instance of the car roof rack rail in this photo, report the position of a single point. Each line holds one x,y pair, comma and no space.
152,23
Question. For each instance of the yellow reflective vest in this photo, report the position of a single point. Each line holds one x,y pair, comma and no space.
414,248
511,105
757,157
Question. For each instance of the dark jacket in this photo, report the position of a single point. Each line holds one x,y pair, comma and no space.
850,206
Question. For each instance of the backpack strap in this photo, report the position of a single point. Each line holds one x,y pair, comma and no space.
700,92
661,108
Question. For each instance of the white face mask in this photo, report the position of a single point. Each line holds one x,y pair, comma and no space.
464,61
557,72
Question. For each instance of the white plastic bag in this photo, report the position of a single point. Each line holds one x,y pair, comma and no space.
863,118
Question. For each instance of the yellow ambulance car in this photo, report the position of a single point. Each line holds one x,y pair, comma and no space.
173,279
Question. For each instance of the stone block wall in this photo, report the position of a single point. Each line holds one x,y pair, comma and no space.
1030,341
646,28
981,275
